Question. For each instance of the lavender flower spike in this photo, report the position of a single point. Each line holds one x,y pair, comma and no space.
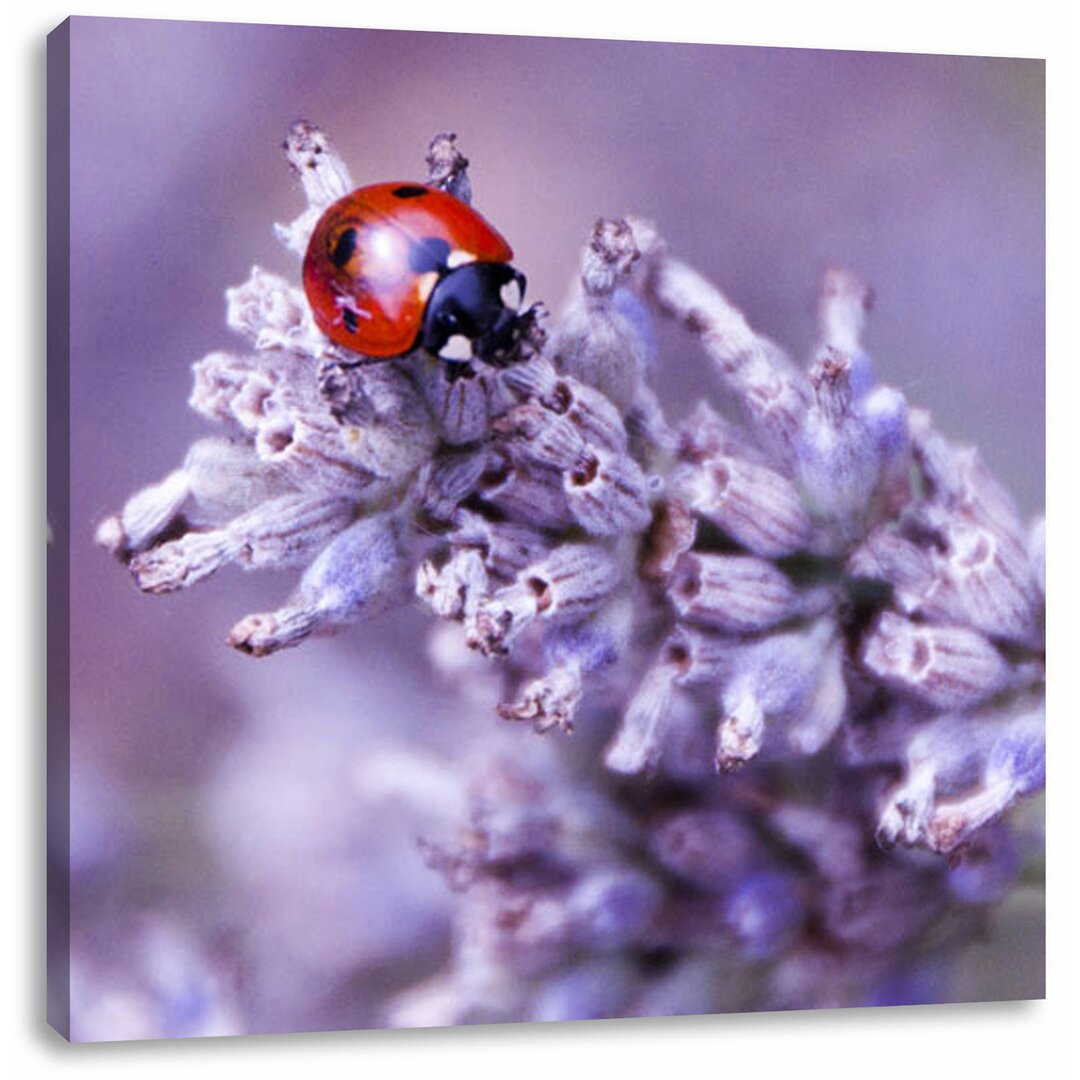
776,639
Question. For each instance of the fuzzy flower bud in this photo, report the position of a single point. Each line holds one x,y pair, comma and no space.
948,667
756,506
281,531
736,593
839,466
573,581
361,570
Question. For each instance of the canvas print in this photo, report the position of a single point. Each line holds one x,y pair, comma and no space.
541,530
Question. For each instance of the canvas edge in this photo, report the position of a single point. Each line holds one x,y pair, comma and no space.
58,472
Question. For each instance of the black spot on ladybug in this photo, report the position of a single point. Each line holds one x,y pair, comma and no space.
344,248
409,191
348,317
428,254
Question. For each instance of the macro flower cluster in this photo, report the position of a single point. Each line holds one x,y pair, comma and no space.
787,652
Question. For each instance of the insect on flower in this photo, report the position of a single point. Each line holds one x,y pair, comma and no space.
397,266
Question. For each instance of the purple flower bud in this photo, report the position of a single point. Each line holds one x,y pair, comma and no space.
948,667
530,496
603,340
754,505
734,593
361,571
628,305
839,465
571,582
713,849
1020,754
984,580
280,532
763,911
883,411
610,909
883,909
863,378
593,643
889,557
638,743
796,678
608,494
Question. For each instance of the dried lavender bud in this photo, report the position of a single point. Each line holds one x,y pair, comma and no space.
712,849
447,166
604,338
839,467
447,481
529,496
700,657
1016,766
456,589
574,580
796,678
608,495
890,558
958,480
961,772
948,667
593,416
736,593
362,570
756,506
843,304
270,312
549,702
611,909
464,407
324,176
506,547
146,516
572,651
281,532
751,366
984,580
764,912
638,744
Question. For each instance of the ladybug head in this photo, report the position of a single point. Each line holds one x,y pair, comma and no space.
474,313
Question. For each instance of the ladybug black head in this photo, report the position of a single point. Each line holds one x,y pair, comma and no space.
473,313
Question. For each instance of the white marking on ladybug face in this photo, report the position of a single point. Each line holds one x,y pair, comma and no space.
458,258
510,295
459,347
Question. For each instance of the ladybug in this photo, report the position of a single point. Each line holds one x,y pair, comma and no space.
398,266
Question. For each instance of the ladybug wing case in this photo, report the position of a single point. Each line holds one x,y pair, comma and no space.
376,256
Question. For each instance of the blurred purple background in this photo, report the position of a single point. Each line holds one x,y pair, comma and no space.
924,174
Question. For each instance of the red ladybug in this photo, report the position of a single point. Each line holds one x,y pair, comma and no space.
399,266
